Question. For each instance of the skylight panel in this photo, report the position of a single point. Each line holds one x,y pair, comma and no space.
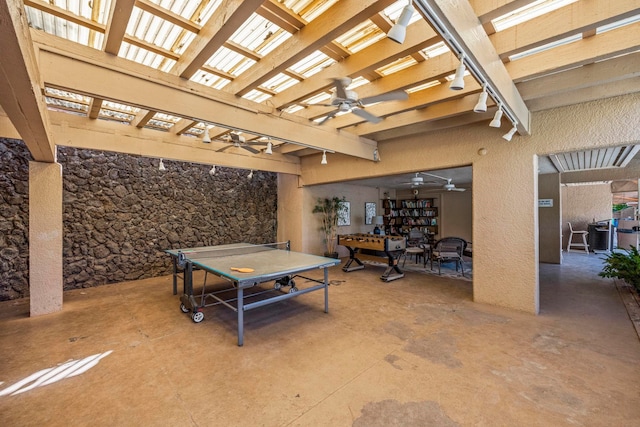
312,64
397,65
259,35
256,95
117,116
279,82
547,46
361,36
393,12
208,79
208,10
161,124
293,108
230,62
66,94
139,55
435,50
63,104
528,12
618,24
357,82
316,99
310,10
423,86
109,105
166,117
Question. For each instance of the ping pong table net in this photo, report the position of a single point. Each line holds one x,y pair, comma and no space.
228,250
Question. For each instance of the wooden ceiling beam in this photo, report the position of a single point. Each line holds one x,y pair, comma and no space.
80,132
281,16
419,36
339,18
611,70
20,85
230,15
488,10
94,108
613,43
183,125
142,118
567,21
61,13
140,86
117,25
464,30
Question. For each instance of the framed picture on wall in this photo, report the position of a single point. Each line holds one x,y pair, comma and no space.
369,212
344,216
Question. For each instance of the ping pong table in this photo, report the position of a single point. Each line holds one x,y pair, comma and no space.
266,262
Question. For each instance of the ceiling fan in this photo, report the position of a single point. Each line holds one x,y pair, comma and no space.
347,101
417,181
446,187
239,141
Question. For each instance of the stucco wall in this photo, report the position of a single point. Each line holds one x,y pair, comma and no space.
505,210
581,204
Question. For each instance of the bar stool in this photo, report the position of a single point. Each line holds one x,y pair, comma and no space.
582,233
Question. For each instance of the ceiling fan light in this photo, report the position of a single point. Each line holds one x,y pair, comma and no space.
161,166
398,32
510,134
205,135
324,158
458,81
269,149
481,106
496,122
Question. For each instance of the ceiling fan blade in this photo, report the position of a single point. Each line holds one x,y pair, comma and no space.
223,148
328,116
251,149
366,115
341,85
458,189
398,95
435,176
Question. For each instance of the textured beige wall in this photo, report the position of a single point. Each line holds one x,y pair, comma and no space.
456,214
45,238
505,211
581,204
550,220
290,206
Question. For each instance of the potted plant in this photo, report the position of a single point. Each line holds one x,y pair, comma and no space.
330,210
623,265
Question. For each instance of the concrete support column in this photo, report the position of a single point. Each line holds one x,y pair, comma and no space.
290,211
45,238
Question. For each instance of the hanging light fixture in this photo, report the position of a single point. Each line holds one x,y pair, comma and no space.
213,170
496,123
250,174
161,166
376,155
458,82
398,32
205,135
481,106
324,158
269,149
510,134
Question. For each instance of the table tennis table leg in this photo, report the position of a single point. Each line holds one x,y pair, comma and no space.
175,274
240,316
326,290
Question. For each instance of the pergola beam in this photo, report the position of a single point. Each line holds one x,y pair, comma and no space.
117,25
339,18
20,88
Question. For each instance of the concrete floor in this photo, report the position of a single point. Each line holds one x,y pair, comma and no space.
414,352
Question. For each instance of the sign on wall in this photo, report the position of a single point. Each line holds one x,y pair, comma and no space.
545,203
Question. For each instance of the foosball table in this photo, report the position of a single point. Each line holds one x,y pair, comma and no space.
391,247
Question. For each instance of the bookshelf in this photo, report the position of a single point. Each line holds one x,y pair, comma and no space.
400,216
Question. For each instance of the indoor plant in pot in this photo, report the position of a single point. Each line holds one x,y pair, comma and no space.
330,210
624,266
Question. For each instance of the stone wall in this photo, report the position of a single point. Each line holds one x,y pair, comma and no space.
14,219
121,213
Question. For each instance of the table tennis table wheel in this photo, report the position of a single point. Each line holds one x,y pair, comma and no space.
183,308
197,316
277,285
293,289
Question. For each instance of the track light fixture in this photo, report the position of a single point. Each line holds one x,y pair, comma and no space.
269,149
324,158
250,174
496,122
481,106
458,82
376,155
161,166
213,170
510,134
398,32
205,135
